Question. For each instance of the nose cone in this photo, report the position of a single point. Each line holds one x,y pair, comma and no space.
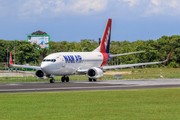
45,67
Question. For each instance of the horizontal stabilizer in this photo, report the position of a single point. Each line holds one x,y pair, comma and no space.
116,55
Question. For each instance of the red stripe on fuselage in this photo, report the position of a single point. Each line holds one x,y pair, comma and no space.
105,59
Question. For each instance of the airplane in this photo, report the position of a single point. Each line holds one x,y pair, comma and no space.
92,64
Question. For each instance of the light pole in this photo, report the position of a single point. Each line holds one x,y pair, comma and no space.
14,51
136,55
7,57
35,57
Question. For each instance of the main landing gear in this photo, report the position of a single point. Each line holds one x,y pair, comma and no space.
65,78
90,80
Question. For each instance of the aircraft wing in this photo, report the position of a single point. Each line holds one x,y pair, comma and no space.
22,66
27,66
84,70
129,65
116,55
137,64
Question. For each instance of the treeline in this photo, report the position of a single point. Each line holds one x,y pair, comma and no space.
156,50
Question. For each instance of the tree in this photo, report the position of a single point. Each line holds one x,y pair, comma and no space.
27,53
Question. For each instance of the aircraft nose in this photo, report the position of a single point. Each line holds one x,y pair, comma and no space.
45,67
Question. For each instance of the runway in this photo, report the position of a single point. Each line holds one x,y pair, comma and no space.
85,85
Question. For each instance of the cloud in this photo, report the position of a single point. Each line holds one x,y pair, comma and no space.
174,4
86,6
152,7
166,3
155,2
79,6
59,6
31,8
54,7
164,7
132,2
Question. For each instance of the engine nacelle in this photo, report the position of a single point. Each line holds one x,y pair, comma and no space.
94,73
39,74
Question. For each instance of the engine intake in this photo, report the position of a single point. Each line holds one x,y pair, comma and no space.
39,74
95,73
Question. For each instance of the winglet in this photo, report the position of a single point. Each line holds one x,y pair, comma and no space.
169,56
10,61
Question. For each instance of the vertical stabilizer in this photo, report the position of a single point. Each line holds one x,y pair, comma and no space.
105,43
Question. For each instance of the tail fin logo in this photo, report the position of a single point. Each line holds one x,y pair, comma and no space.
107,38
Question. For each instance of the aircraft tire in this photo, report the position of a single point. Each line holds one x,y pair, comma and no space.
90,80
52,81
94,80
62,79
67,79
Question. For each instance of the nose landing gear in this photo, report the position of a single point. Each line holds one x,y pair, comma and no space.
90,80
52,80
65,78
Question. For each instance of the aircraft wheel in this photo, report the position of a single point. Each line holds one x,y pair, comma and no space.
90,80
52,81
94,80
62,79
67,79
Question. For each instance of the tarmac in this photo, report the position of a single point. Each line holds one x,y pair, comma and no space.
86,85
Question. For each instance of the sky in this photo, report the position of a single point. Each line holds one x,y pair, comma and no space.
73,20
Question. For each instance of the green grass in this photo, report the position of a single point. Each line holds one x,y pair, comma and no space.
152,73
147,73
151,104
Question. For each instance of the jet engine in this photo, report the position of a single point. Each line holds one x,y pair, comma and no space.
40,74
94,73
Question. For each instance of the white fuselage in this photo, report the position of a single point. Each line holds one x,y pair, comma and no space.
67,63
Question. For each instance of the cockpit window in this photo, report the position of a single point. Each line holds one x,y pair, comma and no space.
49,60
53,60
